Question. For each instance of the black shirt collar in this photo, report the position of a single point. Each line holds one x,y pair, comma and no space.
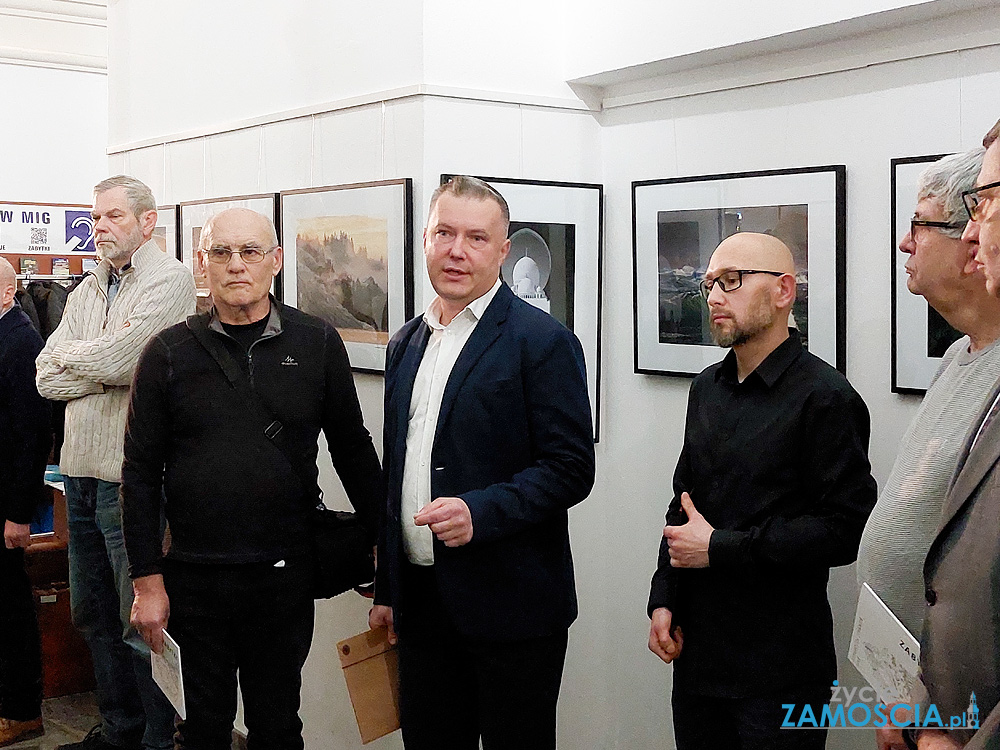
773,366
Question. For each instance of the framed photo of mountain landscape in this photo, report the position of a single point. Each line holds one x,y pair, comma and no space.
554,261
349,260
677,224
192,218
920,336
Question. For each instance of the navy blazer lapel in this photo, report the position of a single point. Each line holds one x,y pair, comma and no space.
407,372
487,331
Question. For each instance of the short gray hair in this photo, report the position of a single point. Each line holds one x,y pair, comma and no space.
462,186
140,197
946,180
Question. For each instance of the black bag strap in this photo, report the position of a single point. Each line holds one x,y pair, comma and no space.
272,428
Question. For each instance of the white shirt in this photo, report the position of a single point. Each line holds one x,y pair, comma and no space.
443,347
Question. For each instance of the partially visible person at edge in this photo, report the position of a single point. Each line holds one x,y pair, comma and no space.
25,440
940,267
960,645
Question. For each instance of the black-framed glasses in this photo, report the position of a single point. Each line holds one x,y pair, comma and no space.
730,281
249,253
973,201
914,223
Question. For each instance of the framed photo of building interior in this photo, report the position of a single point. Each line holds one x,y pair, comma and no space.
167,230
349,260
677,224
920,336
192,217
555,259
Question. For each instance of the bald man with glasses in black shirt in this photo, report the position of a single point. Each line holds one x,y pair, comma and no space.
772,489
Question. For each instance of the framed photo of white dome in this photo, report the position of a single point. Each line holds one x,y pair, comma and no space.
554,264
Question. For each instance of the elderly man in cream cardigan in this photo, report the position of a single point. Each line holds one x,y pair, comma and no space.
135,292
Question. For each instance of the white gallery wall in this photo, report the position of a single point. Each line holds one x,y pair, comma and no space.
53,78
422,88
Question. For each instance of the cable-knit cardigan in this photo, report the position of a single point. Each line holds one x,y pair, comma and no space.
89,359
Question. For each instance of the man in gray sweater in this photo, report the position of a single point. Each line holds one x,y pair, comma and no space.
941,268
135,292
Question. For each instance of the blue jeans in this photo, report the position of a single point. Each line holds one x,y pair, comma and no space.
133,709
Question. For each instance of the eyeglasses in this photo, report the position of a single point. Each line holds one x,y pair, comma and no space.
914,223
730,281
973,201
249,253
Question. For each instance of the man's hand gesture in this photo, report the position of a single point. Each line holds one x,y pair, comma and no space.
689,543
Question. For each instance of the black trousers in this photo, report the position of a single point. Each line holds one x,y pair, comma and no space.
454,690
255,620
20,651
708,723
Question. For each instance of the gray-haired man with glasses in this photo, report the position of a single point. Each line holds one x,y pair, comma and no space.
771,489
235,588
960,645
940,266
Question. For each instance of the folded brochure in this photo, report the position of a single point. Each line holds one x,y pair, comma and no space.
167,673
883,650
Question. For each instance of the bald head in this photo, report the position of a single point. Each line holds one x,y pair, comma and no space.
239,219
749,250
8,284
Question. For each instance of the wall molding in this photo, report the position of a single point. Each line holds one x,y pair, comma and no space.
66,11
378,97
878,39
56,60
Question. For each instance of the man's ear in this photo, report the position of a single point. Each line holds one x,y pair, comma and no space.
785,296
147,224
971,265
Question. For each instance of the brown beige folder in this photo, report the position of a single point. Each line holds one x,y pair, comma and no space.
371,669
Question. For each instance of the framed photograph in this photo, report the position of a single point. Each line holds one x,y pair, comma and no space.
555,260
166,230
920,336
349,260
678,223
192,217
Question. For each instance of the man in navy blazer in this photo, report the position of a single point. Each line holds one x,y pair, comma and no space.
488,443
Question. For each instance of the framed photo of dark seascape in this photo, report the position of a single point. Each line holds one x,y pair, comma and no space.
677,224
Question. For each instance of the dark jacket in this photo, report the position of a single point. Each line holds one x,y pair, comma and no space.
25,438
49,298
231,495
960,646
514,440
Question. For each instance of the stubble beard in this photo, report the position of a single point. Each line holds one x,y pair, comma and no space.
115,251
759,318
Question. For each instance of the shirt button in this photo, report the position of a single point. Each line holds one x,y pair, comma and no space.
930,595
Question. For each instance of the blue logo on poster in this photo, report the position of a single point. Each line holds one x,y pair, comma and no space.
79,232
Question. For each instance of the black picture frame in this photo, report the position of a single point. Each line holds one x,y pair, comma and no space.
914,359
167,232
686,217
567,218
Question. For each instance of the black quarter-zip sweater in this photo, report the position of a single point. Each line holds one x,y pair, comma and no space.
231,496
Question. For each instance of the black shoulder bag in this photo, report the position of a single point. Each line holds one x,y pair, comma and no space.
341,545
